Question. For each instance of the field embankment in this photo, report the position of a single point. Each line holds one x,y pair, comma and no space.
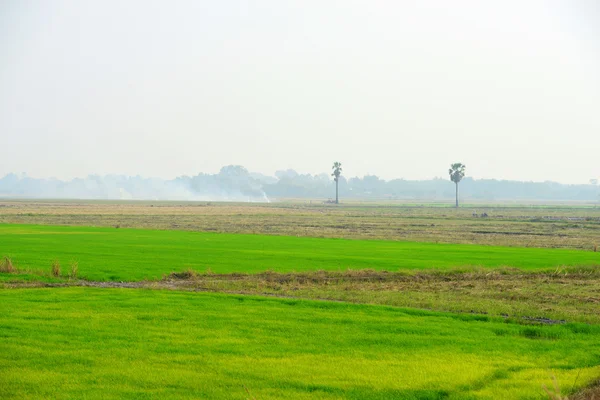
540,297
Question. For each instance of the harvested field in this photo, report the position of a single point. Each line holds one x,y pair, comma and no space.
561,226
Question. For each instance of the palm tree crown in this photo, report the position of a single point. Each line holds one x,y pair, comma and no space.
457,172
337,170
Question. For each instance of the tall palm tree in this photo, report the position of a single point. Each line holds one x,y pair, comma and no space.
457,172
337,171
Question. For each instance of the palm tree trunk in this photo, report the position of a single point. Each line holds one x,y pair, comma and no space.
337,201
456,194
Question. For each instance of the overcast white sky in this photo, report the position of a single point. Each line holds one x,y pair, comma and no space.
391,88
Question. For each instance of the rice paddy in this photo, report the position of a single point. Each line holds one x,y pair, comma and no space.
135,254
70,343
249,302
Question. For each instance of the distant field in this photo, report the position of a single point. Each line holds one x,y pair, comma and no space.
134,254
74,343
563,226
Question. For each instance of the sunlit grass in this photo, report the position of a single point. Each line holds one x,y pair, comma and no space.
133,254
107,343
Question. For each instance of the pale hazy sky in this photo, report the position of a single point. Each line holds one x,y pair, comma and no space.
391,88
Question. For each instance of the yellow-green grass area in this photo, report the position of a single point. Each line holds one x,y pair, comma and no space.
133,254
123,343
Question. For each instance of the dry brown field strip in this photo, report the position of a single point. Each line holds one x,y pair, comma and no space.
560,226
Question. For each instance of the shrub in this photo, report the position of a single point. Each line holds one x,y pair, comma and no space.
7,266
55,270
74,270
188,274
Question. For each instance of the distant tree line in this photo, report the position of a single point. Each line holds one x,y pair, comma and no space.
373,187
236,183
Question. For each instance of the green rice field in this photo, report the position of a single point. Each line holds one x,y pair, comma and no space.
136,254
237,305
73,343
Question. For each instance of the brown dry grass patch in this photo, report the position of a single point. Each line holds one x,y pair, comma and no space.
55,268
6,265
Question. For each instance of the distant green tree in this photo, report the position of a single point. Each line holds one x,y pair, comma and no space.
337,171
457,172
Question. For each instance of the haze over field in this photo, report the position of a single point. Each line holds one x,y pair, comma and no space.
393,89
236,183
